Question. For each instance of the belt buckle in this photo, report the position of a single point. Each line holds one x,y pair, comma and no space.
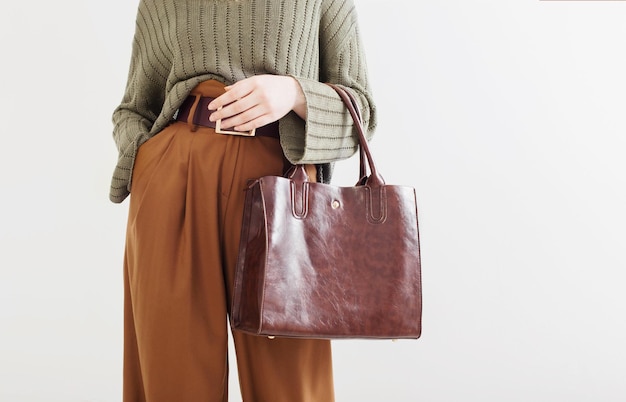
218,129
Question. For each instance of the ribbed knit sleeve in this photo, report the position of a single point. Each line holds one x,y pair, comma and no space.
142,100
328,134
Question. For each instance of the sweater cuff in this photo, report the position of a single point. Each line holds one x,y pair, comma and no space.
326,136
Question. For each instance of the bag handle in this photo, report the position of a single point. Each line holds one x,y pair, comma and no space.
365,155
298,174
362,167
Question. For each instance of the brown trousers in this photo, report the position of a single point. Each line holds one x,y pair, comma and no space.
182,242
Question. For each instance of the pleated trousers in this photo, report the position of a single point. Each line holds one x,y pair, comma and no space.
182,240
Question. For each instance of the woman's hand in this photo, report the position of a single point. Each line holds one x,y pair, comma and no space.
257,101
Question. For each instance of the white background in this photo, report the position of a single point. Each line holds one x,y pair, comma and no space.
508,117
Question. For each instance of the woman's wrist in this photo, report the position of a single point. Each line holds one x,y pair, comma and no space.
299,104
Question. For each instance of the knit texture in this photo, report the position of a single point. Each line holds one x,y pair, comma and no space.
178,44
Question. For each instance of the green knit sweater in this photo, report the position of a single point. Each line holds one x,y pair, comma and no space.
179,43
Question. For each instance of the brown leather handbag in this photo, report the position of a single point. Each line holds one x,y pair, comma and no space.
321,261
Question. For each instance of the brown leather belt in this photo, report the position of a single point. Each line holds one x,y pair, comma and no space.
202,113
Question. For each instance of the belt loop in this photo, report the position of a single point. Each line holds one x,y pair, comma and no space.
191,118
